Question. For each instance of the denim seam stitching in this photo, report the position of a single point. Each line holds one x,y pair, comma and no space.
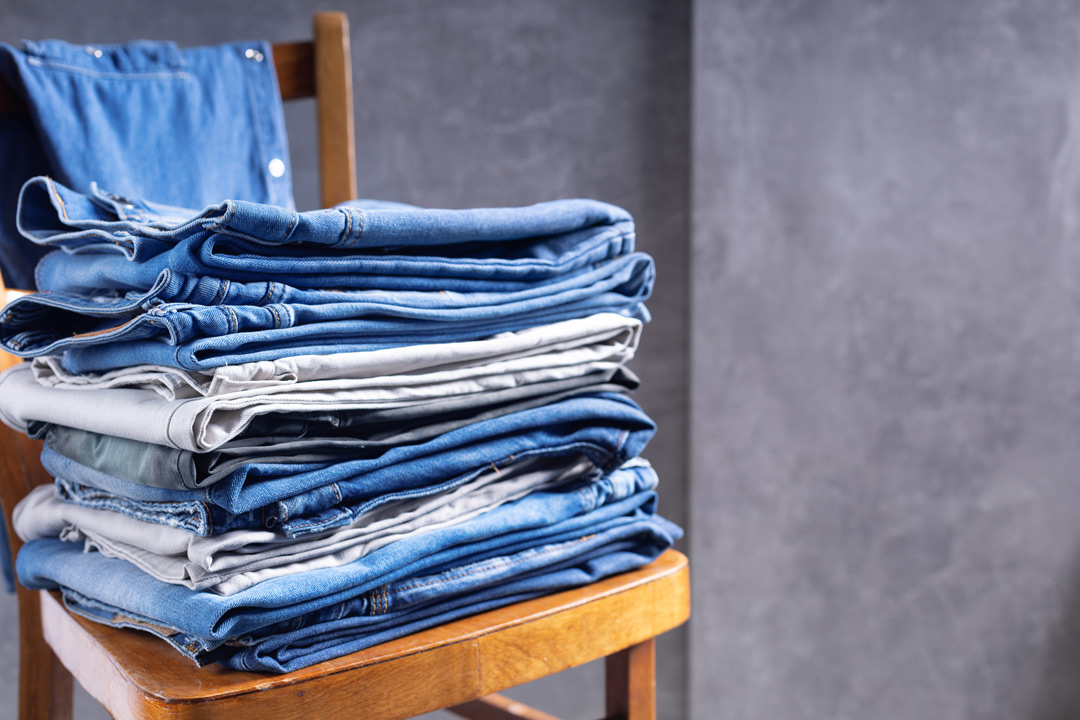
234,322
492,565
194,521
54,191
48,64
343,239
289,229
219,298
265,299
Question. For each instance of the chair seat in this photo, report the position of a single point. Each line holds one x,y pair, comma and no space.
134,674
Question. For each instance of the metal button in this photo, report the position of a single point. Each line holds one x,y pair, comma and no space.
277,167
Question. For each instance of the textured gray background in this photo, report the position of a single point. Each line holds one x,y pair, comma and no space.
484,103
885,360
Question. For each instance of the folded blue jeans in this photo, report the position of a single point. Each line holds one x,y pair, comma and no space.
102,334
361,244
300,499
204,621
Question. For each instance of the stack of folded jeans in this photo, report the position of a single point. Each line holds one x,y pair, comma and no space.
280,437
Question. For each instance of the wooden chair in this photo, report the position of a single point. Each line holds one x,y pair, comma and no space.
456,666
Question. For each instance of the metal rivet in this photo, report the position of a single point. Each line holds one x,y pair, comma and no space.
253,54
97,53
277,167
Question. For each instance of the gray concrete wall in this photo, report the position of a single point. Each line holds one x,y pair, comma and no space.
885,418
485,103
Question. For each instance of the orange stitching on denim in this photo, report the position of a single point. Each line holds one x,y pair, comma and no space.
222,290
288,230
359,228
348,229
63,207
266,295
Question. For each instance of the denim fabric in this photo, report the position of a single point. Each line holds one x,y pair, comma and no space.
102,334
300,439
205,423
616,550
303,499
362,245
600,337
186,127
236,560
596,512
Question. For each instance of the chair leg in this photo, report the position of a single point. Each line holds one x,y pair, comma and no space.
630,682
45,685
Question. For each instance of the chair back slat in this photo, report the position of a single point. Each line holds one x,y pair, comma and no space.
295,66
334,98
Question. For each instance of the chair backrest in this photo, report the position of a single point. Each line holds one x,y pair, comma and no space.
320,68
